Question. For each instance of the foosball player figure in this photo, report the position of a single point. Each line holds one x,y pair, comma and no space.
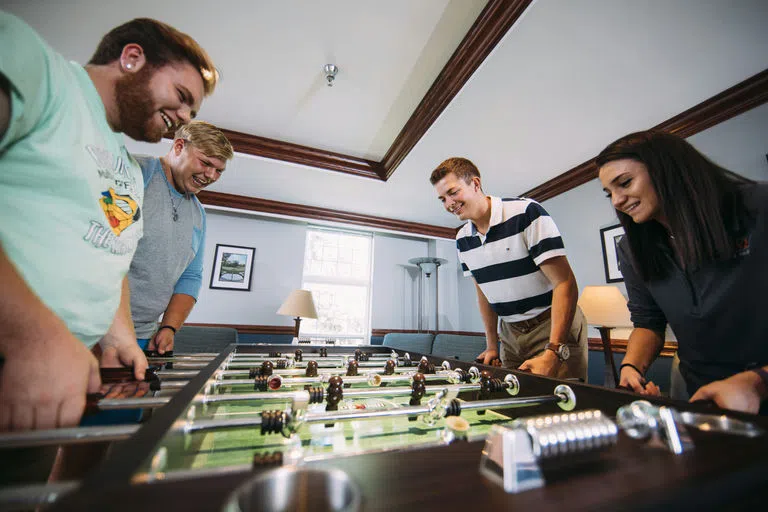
323,352
418,389
358,353
425,366
389,367
334,395
297,356
352,368
311,369
261,460
485,388
266,368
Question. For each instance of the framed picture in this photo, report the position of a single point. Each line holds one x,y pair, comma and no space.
610,237
232,267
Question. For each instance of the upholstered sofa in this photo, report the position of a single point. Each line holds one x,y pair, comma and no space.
450,346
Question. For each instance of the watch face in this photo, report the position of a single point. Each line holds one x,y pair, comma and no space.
565,352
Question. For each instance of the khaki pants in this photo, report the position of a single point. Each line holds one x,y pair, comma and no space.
516,347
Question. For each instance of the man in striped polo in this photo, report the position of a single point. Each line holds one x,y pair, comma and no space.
514,252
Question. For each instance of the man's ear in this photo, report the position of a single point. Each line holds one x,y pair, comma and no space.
476,182
178,146
132,59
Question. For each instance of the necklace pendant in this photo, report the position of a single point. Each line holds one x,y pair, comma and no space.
175,216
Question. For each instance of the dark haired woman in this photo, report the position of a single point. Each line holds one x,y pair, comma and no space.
695,255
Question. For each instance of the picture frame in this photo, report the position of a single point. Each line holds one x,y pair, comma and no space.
610,237
232,267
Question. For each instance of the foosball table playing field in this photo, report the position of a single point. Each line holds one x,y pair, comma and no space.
369,428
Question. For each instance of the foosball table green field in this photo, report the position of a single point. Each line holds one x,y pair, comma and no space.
379,409
384,430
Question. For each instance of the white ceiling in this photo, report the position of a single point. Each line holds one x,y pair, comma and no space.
568,78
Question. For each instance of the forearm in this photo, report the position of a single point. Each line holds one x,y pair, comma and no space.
642,348
23,316
122,325
564,298
179,308
490,321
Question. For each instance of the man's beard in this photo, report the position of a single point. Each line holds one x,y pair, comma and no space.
136,108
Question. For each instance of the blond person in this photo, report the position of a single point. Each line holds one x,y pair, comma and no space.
167,270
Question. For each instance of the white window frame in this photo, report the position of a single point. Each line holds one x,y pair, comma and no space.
340,280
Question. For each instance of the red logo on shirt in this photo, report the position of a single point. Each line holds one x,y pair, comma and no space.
742,246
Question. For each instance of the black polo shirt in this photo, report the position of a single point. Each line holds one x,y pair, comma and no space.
719,313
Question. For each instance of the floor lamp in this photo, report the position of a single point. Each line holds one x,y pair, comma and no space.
605,308
427,265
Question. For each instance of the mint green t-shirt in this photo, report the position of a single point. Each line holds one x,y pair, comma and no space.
70,193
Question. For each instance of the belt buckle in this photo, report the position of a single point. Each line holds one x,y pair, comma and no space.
523,326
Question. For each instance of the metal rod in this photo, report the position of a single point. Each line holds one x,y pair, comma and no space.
203,425
289,354
176,374
311,355
302,372
173,384
511,402
363,414
357,379
324,362
421,294
280,396
437,297
73,435
116,404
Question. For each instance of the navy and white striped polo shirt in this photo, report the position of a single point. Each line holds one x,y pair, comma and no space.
505,262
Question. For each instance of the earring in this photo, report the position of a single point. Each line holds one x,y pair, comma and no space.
128,66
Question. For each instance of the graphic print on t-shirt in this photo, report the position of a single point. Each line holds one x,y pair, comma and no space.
121,211
119,201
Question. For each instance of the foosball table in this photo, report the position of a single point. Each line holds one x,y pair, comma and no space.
343,428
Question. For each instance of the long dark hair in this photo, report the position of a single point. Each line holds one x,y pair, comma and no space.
701,201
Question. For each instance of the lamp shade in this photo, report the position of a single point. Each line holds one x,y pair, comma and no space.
604,306
299,304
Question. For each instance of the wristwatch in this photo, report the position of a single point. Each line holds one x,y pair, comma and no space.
561,349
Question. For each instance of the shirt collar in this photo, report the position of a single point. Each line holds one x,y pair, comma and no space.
496,216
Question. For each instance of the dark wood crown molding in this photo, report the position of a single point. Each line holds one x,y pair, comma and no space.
304,155
491,25
736,100
301,211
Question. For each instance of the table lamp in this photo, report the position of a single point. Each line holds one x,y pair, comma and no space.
299,304
605,308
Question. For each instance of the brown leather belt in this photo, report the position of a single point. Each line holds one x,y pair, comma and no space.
526,326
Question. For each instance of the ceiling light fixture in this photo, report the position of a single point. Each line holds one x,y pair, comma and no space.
330,71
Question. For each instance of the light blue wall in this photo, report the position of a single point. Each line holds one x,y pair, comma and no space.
395,281
739,144
278,266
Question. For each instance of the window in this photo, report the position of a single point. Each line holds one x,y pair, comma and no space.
337,270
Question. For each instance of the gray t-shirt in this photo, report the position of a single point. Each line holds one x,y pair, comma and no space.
168,259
